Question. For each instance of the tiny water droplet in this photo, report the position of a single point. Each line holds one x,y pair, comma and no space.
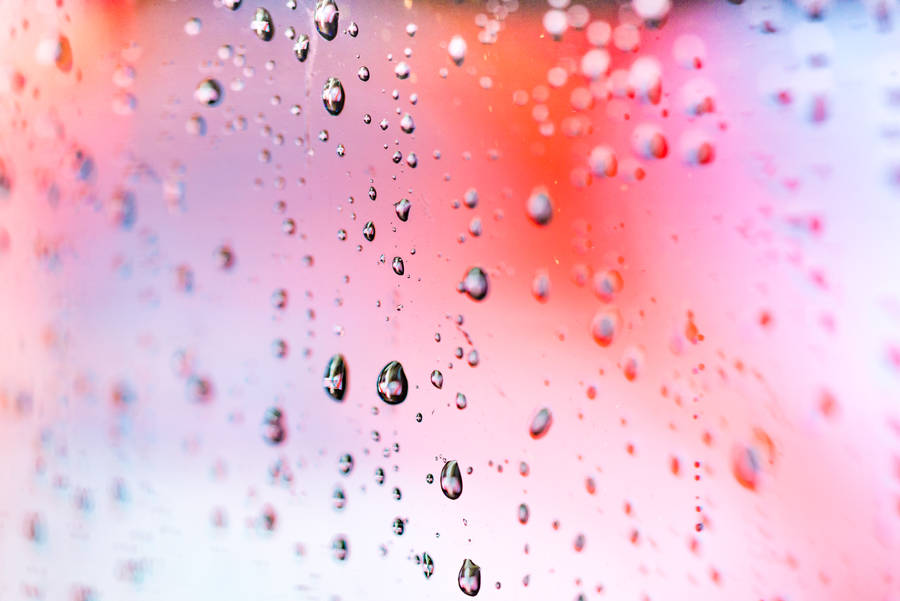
451,480
379,476
392,385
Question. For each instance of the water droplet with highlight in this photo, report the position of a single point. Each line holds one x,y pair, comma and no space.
326,17
427,565
475,284
335,379
392,385
437,379
397,265
333,96
451,480
369,231
274,430
539,206
262,24
407,124
457,49
469,578
301,47
208,92
402,207
340,548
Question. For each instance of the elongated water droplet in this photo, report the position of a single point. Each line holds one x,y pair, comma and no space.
208,92
523,513
326,17
392,385
262,24
437,379
451,480
369,231
340,499
461,402
475,284
333,96
469,578
379,476
301,47
397,265
363,73
540,423
335,379
345,463
402,207
427,565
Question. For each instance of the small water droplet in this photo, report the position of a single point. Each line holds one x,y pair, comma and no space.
540,424
437,379
335,379
333,96
398,526
457,49
539,206
461,401
402,207
369,231
523,513
407,124
301,47
427,565
209,92
475,284
340,548
397,265
274,430
345,463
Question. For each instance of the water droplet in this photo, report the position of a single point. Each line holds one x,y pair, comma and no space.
475,284
335,379
379,476
469,578
262,24
326,17
407,124
411,29
451,480
398,526
340,548
540,423
745,466
396,494
208,92
363,73
437,379
333,96
401,70
461,401
353,29
539,206
523,513
301,47
369,231
345,463
604,326
427,565
340,499
402,207
603,161
274,430
232,4
457,49
392,385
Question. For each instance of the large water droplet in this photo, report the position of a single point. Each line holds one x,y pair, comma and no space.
326,17
540,424
335,379
262,24
333,96
392,385
469,578
451,480
208,92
